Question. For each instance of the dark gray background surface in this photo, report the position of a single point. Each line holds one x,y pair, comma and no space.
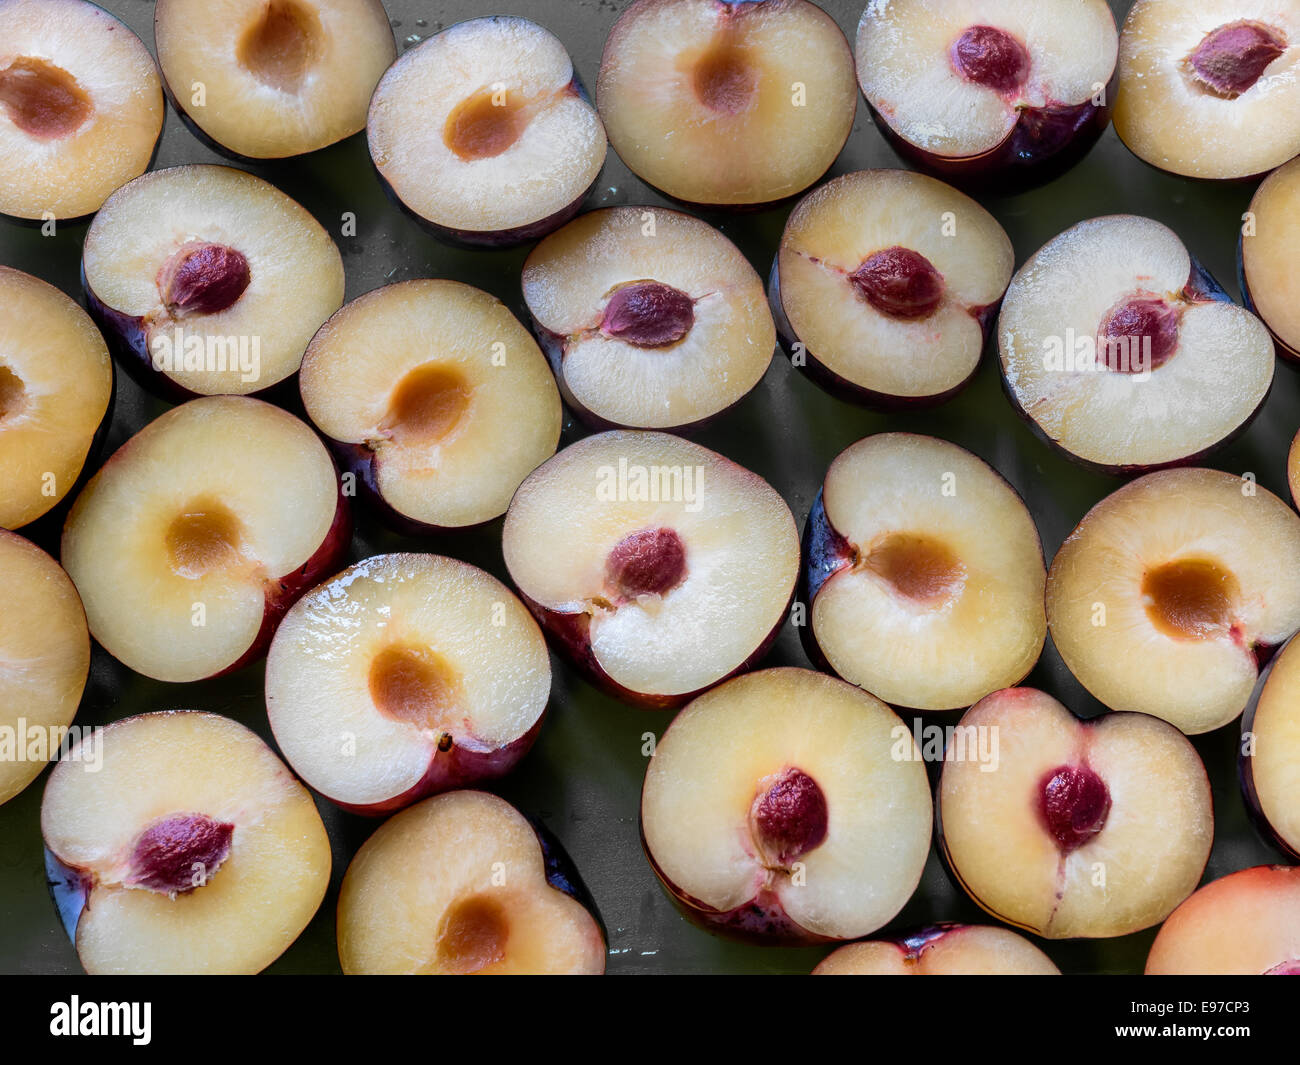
583,778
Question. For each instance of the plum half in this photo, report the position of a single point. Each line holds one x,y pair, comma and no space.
56,395
435,396
484,133
1211,89
776,808
1270,284
1168,594
886,284
941,950
985,93
208,280
402,676
464,884
200,531
651,319
924,574
190,849
44,659
81,108
1121,351
1244,924
656,566
267,79
1270,751
1079,828
727,104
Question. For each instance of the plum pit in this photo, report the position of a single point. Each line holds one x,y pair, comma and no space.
428,404
646,562
1138,334
481,126
177,854
414,685
202,277
1190,598
280,46
724,79
990,57
919,567
43,100
13,394
788,817
648,314
900,283
1232,58
473,935
203,538
1074,803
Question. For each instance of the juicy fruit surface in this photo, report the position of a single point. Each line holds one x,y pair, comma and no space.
953,79
1206,90
529,151
1166,381
280,77
1176,565
214,257
444,388
1266,256
81,107
656,319
1246,923
152,544
222,798
699,102
56,382
414,656
1274,763
878,290
1095,828
957,950
923,607
44,652
457,884
809,785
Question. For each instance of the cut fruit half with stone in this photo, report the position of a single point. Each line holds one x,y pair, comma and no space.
657,566
1072,828
485,133
194,538
403,676
1169,594
787,806
1121,351
942,950
436,398
81,108
651,318
183,846
923,574
209,280
266,79
464,884
886,285
56,395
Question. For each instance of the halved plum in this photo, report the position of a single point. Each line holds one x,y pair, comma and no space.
81,107
484,132
886,285
941,950
1269,281
210,281
1270,751
727,104
651,318
56,395
436,398
266,79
